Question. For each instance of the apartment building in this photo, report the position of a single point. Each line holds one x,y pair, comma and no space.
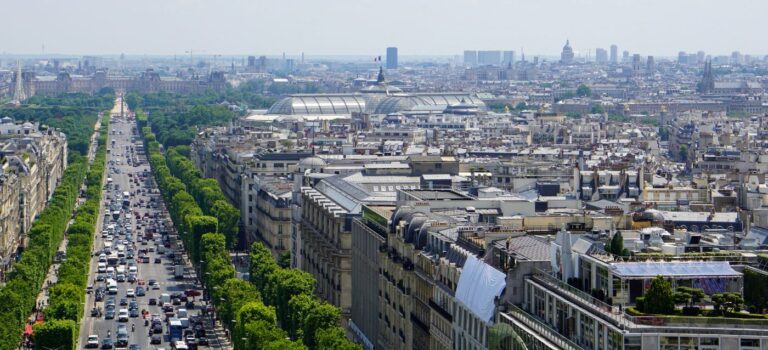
33,159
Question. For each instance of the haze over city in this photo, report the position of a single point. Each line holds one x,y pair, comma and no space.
363,27
384,175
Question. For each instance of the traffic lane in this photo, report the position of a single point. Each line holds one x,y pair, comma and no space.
160,272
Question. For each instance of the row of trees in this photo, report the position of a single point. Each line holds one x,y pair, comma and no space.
175,118
209,249
299,313
277,310
206,193
74,114
66,298
23,283
185,213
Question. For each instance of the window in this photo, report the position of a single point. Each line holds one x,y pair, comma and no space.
438,165
750,344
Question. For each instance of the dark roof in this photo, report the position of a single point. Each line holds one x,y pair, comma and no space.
283,156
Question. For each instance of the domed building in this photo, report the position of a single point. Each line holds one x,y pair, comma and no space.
566,56
314,164
380,98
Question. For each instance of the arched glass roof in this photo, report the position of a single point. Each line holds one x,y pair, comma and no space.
318,104
394,104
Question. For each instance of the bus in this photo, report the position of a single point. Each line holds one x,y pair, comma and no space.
176,330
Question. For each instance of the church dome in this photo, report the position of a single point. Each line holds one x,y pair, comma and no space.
311,163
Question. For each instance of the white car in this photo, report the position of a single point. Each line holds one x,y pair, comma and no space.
122,316
130,293
93,341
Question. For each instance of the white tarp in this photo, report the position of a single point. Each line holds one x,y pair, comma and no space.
479,284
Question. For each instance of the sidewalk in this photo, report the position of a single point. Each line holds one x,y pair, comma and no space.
52,276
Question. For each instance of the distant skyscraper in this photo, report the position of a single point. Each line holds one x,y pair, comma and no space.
391,58
614,54
470,58
636,63
682,57
736,57
251,62
601,56
701,56
650,65
625,56
488,58
509,57
566,56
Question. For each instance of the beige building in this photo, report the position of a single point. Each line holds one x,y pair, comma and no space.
272,214
32,163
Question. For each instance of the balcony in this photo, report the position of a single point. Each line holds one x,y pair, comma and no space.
519,318
444,313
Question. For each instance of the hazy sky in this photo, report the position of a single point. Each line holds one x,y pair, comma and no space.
417,27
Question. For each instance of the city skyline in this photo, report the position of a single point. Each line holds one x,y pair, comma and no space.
233,27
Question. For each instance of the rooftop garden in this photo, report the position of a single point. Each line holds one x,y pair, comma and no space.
660,300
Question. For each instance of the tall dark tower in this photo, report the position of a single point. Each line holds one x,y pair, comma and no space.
707,84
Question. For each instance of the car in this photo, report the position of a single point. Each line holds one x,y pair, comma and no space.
176,301
92,342
156,339
131,278
191,342
94,312
101,277
107,343
152,301
157,328
133,305
109,314
120,277
134,347
158,260
134,312
130,293
123,301
140,292
123,316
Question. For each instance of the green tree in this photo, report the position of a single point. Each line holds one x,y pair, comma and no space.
284,260
598,109
284,344
683,153
287,284
55,334
755,290
262,266
616,245
659,299
235,294
334,339
583,91
727,302
257,334
198,225
229,221
688,296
